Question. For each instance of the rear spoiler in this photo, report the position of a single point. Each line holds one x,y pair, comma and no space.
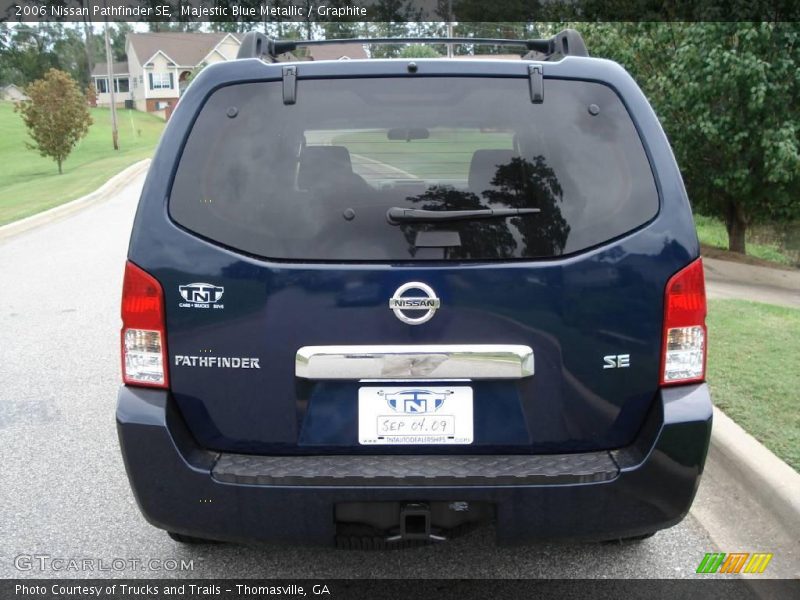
565,43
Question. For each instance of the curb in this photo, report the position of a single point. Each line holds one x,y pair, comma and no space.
62,211
775,484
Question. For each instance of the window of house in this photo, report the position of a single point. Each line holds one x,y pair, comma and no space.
160,81
101,85
122,84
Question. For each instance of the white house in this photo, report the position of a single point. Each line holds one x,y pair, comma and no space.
159,63
337,52
158,66
12,93
121,83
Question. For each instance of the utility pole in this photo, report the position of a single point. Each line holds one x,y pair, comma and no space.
449,27
111,91
89,44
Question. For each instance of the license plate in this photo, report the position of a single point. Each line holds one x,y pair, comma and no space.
415,415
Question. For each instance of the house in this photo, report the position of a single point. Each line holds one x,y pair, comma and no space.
337,52
121,83
159,65
12,93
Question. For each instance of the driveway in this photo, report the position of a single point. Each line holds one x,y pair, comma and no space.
726,279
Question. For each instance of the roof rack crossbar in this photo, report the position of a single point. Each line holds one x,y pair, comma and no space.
565,43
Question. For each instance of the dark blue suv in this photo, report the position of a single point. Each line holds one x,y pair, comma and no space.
377,302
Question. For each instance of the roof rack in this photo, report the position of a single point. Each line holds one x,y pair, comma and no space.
565,43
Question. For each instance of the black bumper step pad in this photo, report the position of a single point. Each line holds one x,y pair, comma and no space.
415,470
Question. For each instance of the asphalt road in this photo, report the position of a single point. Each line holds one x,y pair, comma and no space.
731,280
63,489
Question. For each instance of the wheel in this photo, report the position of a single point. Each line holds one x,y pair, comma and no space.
188,539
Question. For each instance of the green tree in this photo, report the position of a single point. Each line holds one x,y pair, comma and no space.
341,28
91,95
519,31
190,77
395,19
29,50
70,51
419,51
55,114
728,95
119,34
27,53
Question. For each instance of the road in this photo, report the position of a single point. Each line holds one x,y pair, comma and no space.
731,280
63,489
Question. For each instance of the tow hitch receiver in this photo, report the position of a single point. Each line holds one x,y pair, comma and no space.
415,523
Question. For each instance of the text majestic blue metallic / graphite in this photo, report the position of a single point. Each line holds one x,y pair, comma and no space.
248,430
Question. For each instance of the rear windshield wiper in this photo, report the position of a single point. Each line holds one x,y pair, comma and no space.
397,214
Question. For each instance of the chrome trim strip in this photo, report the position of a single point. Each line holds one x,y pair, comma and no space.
445,361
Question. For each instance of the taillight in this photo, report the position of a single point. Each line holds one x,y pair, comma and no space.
143,339
683,355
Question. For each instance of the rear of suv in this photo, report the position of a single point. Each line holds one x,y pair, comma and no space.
381,301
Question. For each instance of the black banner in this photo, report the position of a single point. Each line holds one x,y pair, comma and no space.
257,11
713,588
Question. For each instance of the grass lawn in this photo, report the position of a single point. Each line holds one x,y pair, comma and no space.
712,232
754,371
30,183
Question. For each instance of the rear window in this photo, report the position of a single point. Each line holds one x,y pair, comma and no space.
314,180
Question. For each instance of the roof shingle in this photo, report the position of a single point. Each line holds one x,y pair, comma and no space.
119,68
337,51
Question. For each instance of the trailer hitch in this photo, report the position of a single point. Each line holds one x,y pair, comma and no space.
415,524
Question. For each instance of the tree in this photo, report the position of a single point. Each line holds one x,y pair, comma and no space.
26,54
88,40
419,51
394,18
70,50
119,35
91,95
190,77
728,95
29,50
55,114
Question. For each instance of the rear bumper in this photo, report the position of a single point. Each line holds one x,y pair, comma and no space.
647,486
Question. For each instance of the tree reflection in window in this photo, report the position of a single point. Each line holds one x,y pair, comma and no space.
520,183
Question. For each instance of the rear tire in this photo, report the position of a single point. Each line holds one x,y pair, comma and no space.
188,539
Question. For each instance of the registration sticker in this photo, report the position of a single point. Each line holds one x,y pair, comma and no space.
415,415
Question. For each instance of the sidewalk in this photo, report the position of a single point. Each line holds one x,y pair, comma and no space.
749,500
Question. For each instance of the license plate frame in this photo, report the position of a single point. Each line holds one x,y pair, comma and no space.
415,415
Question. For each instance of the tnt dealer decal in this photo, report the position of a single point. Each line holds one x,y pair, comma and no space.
201,295
207,295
